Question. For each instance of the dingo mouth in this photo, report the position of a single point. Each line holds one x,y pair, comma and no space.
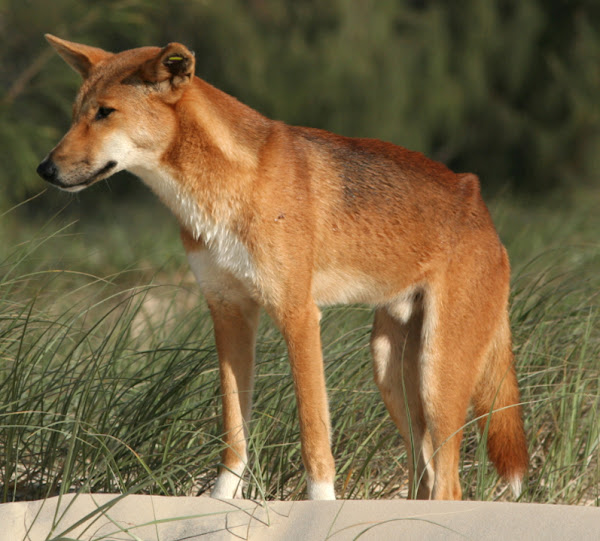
96,176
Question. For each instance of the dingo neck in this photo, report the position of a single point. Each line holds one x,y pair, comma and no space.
215,232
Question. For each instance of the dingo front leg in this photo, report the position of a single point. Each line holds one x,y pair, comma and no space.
235,331
235,318
301,330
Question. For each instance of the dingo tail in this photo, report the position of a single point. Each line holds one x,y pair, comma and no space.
497,393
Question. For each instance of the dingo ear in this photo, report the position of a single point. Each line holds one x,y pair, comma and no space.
175,63
82,58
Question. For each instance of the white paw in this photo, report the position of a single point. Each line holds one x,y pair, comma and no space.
229,484
320,490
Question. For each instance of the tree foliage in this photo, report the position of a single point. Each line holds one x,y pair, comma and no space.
505,88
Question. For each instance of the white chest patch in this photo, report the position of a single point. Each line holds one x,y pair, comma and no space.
227,251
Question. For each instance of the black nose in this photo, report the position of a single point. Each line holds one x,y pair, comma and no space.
47,170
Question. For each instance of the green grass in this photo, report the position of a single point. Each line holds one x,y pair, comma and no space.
108,372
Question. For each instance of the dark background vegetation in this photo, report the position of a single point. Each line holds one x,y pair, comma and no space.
507,89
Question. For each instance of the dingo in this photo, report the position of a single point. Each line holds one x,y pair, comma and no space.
291,218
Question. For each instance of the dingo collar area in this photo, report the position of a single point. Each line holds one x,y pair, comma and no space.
288,219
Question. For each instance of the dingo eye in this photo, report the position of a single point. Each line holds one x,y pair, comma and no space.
103,112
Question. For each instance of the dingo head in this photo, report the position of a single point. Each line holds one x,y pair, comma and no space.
123,116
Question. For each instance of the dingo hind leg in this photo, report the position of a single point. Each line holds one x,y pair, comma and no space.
447,366
464,308
396,349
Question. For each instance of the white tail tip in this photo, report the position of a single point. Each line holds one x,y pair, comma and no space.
516,484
